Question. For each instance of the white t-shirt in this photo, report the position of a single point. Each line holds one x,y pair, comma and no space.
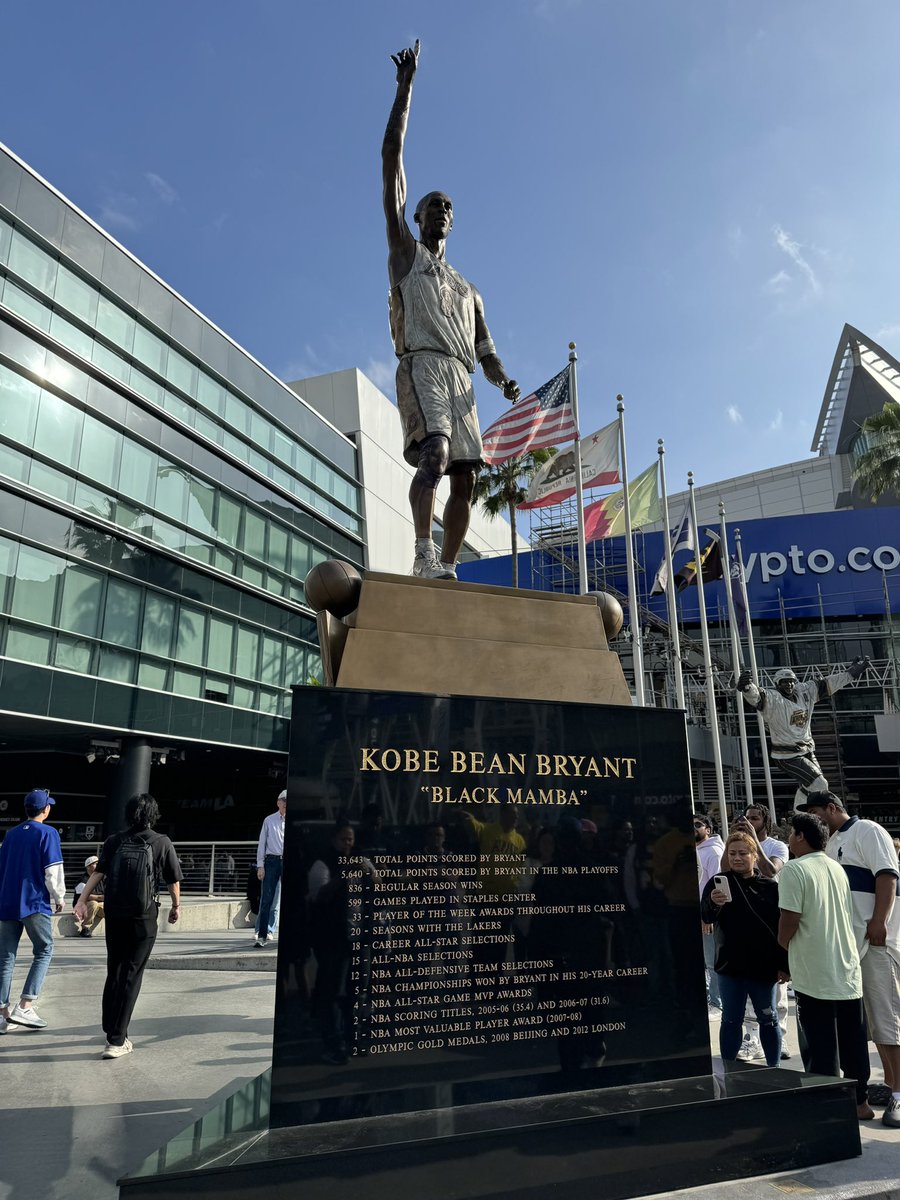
773,849
864,849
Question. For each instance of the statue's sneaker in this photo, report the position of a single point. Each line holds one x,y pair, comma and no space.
426,566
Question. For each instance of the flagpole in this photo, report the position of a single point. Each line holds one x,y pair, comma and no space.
707,660
634,612
735,655
579,486
751,652
670,582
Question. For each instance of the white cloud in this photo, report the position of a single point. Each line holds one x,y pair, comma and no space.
164,191
734,414
304,366
778,283
547,10
791,248
118,210
382,372
888,333
777,422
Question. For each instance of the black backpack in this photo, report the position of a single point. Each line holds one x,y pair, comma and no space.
130,883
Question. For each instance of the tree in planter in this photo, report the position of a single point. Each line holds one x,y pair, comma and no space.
878,468
501,487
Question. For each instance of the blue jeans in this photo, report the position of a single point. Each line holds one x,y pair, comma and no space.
735,993
265,920
39,928
712,979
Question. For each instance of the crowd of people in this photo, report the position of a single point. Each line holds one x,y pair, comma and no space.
120,887
819,912
814,910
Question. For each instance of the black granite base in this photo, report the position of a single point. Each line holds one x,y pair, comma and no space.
620,1142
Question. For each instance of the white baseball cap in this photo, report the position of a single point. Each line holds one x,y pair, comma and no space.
283,795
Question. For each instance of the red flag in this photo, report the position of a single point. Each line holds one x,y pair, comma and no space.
540,420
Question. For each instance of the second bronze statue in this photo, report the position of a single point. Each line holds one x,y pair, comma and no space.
440,333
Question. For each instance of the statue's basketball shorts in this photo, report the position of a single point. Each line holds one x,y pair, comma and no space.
435,396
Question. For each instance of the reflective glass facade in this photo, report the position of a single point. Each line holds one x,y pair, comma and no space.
161,497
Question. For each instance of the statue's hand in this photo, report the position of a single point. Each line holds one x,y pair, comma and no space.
859,666
511,390
743,681
406,62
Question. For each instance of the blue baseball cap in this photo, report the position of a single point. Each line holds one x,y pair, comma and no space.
38,799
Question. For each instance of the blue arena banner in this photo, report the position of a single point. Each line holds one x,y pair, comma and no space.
842,557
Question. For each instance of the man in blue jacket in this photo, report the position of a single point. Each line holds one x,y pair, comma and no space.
32,888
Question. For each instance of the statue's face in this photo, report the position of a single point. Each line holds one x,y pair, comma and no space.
435,215
787,687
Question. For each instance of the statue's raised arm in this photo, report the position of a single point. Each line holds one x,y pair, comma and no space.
401,243
440,335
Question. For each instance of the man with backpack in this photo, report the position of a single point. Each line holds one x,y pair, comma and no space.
131,865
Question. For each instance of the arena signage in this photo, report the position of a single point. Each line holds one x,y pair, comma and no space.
836,563
820,561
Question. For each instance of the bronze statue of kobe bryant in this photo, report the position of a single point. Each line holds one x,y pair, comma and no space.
440,333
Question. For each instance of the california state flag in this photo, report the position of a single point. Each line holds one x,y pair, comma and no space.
606,518
555,481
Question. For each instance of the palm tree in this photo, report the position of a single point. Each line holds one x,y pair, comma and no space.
877,469
501,487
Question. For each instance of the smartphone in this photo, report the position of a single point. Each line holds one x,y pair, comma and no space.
721,882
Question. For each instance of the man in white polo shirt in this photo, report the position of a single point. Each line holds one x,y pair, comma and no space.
269,856
867,854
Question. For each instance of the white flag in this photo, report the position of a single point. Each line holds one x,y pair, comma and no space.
682,539
555,481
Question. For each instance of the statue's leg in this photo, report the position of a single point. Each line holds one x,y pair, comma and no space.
807,772
434,456
457,511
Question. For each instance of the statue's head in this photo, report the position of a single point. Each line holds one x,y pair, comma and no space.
434,215
786,682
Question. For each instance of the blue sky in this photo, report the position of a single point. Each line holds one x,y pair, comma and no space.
698,193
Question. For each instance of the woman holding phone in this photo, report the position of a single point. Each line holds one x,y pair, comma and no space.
743,908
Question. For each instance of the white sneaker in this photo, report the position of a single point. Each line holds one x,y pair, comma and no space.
4,1025
714,1012
26,1016
117,1051
426,566
750,1049
449,570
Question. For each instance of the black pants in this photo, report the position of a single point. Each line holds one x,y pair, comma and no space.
835,1034
129,941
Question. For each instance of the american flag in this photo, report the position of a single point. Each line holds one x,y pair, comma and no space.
540,420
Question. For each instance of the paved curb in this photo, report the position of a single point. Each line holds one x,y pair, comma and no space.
251,961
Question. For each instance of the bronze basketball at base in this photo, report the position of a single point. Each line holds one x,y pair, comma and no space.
611,612
333,586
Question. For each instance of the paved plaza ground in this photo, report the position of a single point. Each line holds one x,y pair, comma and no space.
72,1124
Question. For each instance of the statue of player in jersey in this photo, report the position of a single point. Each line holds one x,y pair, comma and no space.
787,710
439,332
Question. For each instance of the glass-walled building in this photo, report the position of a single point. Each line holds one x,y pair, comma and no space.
162,497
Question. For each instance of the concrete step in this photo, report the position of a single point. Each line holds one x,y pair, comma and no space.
197,914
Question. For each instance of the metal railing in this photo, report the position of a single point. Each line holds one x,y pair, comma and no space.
209,868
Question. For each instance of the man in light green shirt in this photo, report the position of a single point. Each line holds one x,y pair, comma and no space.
816,929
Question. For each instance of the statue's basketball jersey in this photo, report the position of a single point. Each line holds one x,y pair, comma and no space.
433,308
